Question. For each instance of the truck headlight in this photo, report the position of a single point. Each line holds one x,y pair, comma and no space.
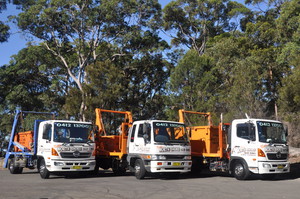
67,149
162,157
58,164
158,157
188,157
92,163
266,165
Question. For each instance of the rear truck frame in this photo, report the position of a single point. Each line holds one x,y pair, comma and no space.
110,151
241,148
41,147
133,147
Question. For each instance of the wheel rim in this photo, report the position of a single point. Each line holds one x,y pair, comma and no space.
239,170
42,168
137,168
11,166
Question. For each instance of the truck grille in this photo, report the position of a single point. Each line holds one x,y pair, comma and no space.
72,155
277,156
174,157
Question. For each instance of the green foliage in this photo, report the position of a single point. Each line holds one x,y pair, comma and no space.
81,33
195,22
109,54
27,82
4,34
194,82
289,35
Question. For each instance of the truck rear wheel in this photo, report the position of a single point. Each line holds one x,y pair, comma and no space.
240,170
44,172
13,168
139,169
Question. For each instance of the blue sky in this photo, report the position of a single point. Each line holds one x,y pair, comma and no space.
17,41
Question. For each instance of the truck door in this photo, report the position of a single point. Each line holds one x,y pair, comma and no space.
139,139
44,139
131,138
243,143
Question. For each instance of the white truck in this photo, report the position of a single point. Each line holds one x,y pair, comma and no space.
243,147
51,146
146,146
156,146
258,146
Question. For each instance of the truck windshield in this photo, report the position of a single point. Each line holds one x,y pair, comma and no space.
169,132
271,132
72,132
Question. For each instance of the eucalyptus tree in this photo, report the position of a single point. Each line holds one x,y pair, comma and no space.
193,83
192,23
28,83
78,33
4,29
4,34
289,36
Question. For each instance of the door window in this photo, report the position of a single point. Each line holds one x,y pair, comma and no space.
246,131
132,133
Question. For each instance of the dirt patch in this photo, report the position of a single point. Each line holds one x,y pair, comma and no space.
1,163
294,156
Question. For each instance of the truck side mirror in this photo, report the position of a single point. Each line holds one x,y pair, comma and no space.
144,128
146,138
146,132
251,129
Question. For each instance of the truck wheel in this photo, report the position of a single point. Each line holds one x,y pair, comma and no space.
240,170
13,168
139,169
20,170
44,172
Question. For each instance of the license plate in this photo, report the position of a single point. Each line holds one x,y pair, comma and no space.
76,167
176,163
280,166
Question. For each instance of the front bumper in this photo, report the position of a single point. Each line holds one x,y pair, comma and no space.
58,165
271,167
168,166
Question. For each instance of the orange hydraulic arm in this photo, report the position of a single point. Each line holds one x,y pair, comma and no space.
207,140
183,112
99,121
112,145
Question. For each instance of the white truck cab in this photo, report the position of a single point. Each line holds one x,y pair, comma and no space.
156,146
65,146
258,146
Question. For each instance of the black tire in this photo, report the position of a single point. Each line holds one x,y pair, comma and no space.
13,168
20,170
139,169
240,170
44,172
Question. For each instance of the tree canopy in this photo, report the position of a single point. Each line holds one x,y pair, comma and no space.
216,56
